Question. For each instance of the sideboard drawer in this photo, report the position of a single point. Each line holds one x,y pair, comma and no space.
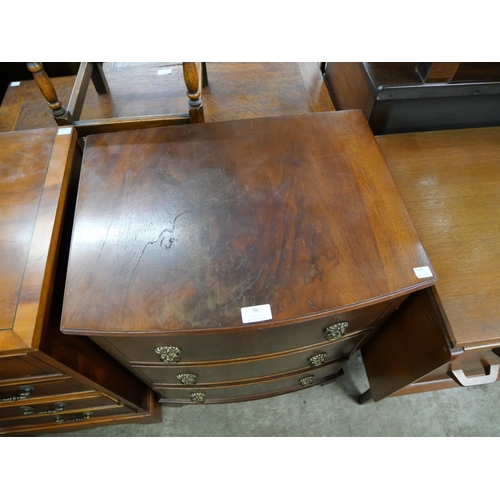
24,366
35,390
250,389
196,347
240,369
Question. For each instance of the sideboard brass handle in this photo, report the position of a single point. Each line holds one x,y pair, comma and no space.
491,376
168,353
25,393
306,381
83,416
336,331
317,359
29,410
197,397
187,378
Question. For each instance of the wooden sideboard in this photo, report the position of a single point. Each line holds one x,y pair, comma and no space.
49,381
231,261
448,335
396,97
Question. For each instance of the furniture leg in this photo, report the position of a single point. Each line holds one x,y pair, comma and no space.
366,397
192,80
99,79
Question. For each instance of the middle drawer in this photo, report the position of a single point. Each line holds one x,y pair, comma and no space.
249,368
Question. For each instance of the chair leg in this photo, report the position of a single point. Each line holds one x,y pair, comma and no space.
192,80
99,79
61,115
204,74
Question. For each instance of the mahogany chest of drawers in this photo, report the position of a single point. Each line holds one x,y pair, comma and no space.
49,381
448,335
230,261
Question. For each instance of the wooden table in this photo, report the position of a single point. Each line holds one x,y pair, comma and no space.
49,381
238,260
449,335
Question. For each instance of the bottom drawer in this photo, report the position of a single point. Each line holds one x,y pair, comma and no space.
61,419
242,391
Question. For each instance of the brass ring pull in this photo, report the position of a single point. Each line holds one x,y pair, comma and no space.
306,381
168,353
491,376
187,378
84,416
336,331
197,397
29,410
317,359
25,393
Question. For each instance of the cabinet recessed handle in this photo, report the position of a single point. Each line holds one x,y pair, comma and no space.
168,353
306,381
83,416
336,331
29,410
490,376
317,359
24,393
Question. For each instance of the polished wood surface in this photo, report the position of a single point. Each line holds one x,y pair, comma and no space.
450,183
236,91
449,335
206,219
39,366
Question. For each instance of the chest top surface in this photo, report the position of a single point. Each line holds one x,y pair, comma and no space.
32,170
450,182
178,228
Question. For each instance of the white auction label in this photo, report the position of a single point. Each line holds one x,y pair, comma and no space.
64,131
166,71
253,314
15,84
423,272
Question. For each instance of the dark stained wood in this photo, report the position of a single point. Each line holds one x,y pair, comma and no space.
193,77
170,243
36,180
450,183
437,71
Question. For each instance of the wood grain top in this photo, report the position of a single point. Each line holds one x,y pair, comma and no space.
177,229
33,178
450,182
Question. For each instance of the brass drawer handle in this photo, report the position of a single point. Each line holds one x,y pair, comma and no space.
317,359
29,410
84,416
336,331
306,381
25,393
187,378
197,397
168,353
491,376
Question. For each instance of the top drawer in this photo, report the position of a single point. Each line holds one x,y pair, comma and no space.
195,347
24,366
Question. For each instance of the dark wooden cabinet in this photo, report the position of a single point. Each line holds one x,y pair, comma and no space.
231,261
448,335
49,381
395,98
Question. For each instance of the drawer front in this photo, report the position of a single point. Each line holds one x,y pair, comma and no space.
25,392
24,366
196,347
60,420
210,373
62,407
247,391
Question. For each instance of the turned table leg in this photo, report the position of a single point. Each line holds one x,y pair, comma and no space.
61,115
192,79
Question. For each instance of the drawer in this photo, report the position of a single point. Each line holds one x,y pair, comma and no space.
62,406
205,346
24,392
264,388
210,373
24,366
51,423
